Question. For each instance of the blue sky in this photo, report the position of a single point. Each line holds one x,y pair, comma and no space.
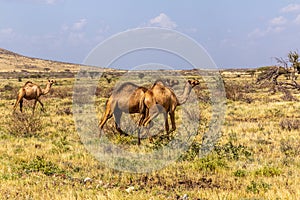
234,33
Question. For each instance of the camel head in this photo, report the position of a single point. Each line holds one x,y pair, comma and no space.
51,82
193,82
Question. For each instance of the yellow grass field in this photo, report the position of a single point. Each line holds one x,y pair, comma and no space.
257,156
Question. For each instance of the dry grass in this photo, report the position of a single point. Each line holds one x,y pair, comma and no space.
257,156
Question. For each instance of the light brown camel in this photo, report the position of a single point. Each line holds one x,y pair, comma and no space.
126,98
162,99
32,91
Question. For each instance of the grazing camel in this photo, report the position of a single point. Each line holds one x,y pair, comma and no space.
126,98
31,91
162,99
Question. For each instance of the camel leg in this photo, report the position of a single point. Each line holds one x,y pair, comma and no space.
153,112
166,122
34,104
172,116
140,124
150,118
21,105
16,104
139,136
108,113
118,115
41,105
142,118
19,100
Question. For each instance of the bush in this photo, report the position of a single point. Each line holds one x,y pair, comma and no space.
290,148
233,152
240,173
39,164
256,188
24,124
192,153
268,171
237,92
210,163
290,124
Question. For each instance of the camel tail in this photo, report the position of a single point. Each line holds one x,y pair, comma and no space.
142,106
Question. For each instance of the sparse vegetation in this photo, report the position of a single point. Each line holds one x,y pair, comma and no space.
257,157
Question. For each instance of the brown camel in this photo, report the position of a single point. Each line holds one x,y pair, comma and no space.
126,98
162,99
31,91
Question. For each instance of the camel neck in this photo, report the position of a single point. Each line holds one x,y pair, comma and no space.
47,89
186,92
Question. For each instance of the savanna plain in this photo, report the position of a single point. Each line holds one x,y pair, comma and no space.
256,157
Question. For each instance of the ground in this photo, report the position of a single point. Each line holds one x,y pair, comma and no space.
257,157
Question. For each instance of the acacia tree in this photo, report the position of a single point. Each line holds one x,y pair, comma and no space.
289,67
293,58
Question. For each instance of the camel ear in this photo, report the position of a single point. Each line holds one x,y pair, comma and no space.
190,82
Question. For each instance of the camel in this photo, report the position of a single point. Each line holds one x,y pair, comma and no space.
161,99
126,98
31,91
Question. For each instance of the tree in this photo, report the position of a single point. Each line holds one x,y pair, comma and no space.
293,57
289,67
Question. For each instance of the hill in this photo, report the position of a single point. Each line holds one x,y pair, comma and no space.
13,62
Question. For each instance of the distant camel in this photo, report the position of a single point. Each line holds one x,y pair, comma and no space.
31,91
162,99
126,98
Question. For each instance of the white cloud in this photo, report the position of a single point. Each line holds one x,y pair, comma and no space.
79,25
76,39
275,25
7,34
163,21
6,31
258,33
291,8
297,20
278,21
51,1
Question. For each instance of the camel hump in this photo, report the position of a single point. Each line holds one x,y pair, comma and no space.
28,82
159,82
143,89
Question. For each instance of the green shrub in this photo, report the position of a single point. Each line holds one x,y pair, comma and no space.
268,171
192,153
240,173
256,188
39,164
233,152
210,163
